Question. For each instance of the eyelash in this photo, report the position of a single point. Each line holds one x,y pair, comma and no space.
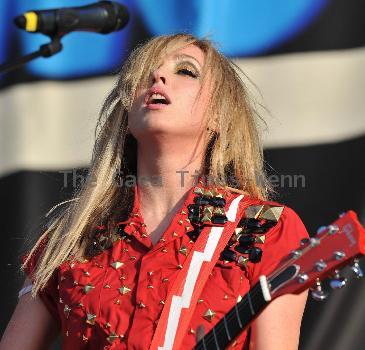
187,71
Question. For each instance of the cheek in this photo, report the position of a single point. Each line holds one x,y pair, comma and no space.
136,107
199,105
188,98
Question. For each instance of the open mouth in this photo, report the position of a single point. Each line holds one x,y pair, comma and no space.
157,99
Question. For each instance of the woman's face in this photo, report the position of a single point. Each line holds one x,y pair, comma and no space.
171,103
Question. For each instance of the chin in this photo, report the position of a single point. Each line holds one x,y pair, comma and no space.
163,132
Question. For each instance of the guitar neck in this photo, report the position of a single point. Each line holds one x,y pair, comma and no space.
332,248
235,321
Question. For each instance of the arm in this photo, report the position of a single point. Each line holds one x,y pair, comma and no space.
31,327
278,326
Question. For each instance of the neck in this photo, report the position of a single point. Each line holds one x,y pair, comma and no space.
166,171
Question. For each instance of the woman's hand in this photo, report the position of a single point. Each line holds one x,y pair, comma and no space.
278,326
31,327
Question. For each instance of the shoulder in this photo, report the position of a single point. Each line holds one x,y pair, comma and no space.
276,218
265,214
276,230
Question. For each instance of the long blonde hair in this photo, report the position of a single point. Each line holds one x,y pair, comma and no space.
233,153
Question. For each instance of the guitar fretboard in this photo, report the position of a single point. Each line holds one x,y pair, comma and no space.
232,324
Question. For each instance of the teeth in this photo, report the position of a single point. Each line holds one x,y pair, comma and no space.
157,97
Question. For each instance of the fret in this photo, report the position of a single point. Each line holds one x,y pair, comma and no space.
232,324
215,339
203,342
226,328
221,334
250,303
238,316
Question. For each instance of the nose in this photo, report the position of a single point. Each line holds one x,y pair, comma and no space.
157,76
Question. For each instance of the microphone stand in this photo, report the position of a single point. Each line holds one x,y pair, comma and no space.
45,50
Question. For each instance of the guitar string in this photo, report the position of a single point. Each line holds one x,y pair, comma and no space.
292,260
209,336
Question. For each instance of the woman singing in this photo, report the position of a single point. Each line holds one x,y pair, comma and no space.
172,227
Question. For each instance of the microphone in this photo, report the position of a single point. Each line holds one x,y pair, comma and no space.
102,17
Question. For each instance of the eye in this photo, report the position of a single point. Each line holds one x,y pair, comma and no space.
185,71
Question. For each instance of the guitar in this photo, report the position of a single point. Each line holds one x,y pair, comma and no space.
334,246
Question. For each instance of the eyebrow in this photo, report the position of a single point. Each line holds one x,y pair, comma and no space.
183,56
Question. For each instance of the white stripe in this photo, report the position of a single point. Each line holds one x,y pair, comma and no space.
183,301
49,125
314,97
232,210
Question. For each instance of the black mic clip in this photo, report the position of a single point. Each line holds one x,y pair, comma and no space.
55,46
102,17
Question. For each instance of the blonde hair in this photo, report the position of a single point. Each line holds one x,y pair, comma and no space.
233,153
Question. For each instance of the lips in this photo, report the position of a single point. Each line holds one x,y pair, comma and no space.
156,96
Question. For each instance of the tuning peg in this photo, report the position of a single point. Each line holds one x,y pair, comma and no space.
304,242
295,254
317,292
339,254
355,267
321,229
314,241
303,277
332,229
338,282
320,265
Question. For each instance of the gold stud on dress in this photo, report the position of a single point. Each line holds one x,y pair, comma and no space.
112,337
260,239
88,288
209,315
124,290
183,250
253,211
66,311
116,264
272,213
242,261
90,319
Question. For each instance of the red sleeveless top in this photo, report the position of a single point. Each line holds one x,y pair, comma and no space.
114,300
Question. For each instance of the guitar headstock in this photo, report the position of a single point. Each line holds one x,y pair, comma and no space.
335,246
